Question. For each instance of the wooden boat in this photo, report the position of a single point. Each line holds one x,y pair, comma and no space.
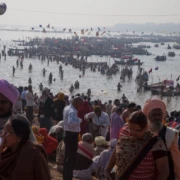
155,91
176,46
128,62
160,58
171,54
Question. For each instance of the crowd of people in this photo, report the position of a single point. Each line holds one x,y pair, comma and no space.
85,138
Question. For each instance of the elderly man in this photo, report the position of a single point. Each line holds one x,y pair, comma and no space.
155,110
100,162
84,156
100,120
8,97
71,132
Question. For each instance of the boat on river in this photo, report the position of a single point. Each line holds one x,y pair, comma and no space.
160,58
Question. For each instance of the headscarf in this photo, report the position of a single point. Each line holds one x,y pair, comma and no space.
9,91
154,104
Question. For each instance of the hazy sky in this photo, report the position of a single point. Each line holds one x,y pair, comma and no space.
108,7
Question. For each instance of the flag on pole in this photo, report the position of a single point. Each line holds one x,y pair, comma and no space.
156,68
150,71
177,79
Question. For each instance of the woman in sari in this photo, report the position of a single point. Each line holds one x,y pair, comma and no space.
21,159
139,155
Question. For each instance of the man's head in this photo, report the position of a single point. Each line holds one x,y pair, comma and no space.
77,102
119,110
131,107
98,111
116,102
87,137
110,102
155,110
8,96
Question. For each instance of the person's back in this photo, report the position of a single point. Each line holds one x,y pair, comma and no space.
29,98
109,108
116,123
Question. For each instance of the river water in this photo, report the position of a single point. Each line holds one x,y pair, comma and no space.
102,87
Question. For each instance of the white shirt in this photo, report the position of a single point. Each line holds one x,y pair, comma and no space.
29,98
103,120
71,120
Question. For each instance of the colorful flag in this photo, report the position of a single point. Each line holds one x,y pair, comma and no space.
177,79
150,71
75,34
156,68
103,33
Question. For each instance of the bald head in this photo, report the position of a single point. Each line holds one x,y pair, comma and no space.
77,102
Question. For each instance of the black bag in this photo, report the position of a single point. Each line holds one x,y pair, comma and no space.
162,134
138,160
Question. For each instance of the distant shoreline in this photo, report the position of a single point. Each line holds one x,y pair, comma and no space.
23,30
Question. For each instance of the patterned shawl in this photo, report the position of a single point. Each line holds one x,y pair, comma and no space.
128,149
